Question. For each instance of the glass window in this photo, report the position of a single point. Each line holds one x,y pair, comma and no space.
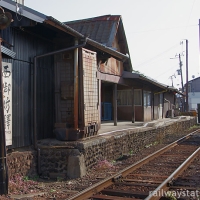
147,98
124,97
138,97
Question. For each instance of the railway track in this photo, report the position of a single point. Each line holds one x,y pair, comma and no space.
149,178
188,183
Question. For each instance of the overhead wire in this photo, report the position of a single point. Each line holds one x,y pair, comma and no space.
163,29
189,16
158,55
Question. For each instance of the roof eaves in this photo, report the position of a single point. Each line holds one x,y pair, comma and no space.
152,81
41,18
119,56
161,85
27,12
52,21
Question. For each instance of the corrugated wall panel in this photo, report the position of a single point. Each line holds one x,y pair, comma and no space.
26,47
45,98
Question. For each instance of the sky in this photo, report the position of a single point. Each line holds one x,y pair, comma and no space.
156,31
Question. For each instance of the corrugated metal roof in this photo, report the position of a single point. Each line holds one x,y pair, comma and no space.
101,29
130,75
41,18
102,47
193,79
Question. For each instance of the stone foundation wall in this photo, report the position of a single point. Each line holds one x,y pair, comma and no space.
126,142
55,160
22,162
73,159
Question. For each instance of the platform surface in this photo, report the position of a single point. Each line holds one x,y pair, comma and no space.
107,127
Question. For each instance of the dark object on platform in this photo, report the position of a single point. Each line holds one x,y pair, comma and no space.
69,134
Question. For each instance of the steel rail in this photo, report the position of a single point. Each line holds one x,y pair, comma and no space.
89,192
164,186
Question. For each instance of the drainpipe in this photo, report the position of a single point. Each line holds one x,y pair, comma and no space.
115,104
133,106
35,85
169,106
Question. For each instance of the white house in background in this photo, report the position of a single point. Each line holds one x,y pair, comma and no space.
194,93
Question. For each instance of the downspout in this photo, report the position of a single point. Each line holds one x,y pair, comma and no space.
133,106
163,101
169,105
115,104
142,104
153,98
35,85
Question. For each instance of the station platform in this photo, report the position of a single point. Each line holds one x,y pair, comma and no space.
74,158
107,127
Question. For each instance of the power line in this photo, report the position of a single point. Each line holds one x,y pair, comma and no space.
155,57
189,16
166,71
162,29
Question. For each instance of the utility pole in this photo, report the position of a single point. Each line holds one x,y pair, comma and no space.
186,106
180,65
181,73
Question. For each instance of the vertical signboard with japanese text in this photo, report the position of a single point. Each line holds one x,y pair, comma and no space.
7,100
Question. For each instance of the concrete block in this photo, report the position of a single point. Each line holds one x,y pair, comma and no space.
76,166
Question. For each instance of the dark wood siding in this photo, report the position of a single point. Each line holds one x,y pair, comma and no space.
124,113
26,47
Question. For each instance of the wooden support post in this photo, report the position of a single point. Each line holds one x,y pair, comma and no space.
76,86
143,110
115,104
133,107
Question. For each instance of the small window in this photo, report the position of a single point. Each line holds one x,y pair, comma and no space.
124,97
147,98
